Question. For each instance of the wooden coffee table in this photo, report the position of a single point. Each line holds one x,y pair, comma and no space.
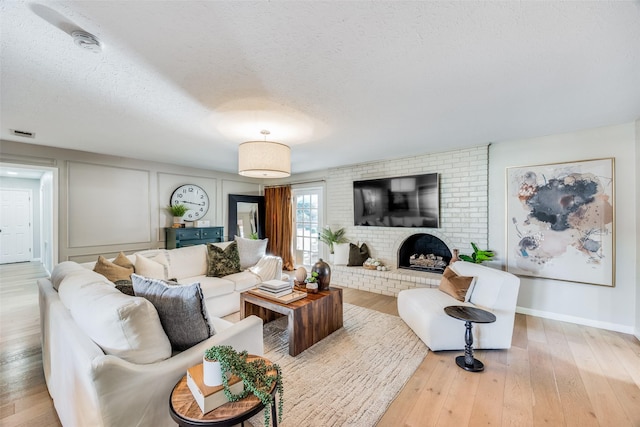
185,411
309,320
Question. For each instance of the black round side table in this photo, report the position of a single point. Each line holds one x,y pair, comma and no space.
469,315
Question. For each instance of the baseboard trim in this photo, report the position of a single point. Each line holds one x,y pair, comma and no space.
577,320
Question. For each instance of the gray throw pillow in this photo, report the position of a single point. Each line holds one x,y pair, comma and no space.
181,309
250,251
222,262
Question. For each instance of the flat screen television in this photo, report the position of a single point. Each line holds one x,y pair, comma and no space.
404,201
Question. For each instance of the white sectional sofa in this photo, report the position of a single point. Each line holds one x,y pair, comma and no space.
494,290
127,380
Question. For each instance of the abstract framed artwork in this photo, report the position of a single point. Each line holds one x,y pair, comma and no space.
561,221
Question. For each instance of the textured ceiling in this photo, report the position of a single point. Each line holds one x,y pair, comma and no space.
340,82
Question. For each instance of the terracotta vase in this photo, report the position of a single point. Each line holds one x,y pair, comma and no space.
324,274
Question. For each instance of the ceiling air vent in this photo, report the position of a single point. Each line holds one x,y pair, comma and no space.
22,133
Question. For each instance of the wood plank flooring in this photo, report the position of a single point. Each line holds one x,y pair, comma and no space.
24,399
555,374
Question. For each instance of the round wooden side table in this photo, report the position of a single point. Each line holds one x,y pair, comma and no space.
185,411
469,315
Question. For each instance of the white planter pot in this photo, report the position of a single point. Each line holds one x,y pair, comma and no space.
212,373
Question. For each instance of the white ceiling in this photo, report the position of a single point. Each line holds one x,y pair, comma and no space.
185,82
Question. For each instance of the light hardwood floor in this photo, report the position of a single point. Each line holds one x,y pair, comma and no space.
555,374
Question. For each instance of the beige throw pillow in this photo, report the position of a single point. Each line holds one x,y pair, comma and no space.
118,269
156,267
454,285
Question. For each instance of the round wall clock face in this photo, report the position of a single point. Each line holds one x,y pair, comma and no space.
194,198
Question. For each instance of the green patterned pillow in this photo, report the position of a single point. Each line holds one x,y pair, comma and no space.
223,262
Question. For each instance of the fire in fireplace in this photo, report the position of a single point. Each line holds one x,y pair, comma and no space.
424,252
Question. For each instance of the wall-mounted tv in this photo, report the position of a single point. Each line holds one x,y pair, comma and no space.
404,201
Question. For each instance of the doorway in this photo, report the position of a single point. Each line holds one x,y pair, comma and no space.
16,225
307,203
41,216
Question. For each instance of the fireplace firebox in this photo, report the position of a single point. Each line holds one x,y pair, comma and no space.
424,252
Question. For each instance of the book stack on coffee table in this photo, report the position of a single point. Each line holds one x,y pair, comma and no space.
278,290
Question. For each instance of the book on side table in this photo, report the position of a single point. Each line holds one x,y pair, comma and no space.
209,398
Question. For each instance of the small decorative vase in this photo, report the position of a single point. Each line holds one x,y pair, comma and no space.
301,274
211,372
312,288
177,222
455,256
324,274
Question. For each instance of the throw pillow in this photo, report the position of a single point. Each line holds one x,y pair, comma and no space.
454,285
123,261
156,267
358,254
181,309
250,251
222,262
341,253
123,326
118,269
125,286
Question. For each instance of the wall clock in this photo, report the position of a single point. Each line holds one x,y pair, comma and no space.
193,197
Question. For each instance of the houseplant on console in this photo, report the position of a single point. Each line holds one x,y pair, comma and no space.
256,375
178,210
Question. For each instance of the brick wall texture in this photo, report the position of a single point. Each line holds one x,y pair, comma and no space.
463,213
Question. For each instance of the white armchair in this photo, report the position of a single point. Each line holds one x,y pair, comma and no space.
495,290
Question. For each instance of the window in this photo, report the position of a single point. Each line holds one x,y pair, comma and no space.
306,225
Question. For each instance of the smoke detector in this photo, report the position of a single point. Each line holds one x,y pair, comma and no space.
86,41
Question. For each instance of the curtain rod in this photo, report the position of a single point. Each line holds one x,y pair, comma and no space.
296,183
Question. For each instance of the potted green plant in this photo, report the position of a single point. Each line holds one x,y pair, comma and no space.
256,375
177,211
313,282
330,237
478,256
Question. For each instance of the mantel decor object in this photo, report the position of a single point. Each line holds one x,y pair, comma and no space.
323,272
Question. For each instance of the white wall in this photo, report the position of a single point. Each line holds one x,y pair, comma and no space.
608,307
48,217
100,197
637,283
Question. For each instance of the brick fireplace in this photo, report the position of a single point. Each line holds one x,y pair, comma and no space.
424,252
463,216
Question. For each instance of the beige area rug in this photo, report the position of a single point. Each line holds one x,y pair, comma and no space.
349,378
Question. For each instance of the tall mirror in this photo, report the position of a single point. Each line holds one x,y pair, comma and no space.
246,216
